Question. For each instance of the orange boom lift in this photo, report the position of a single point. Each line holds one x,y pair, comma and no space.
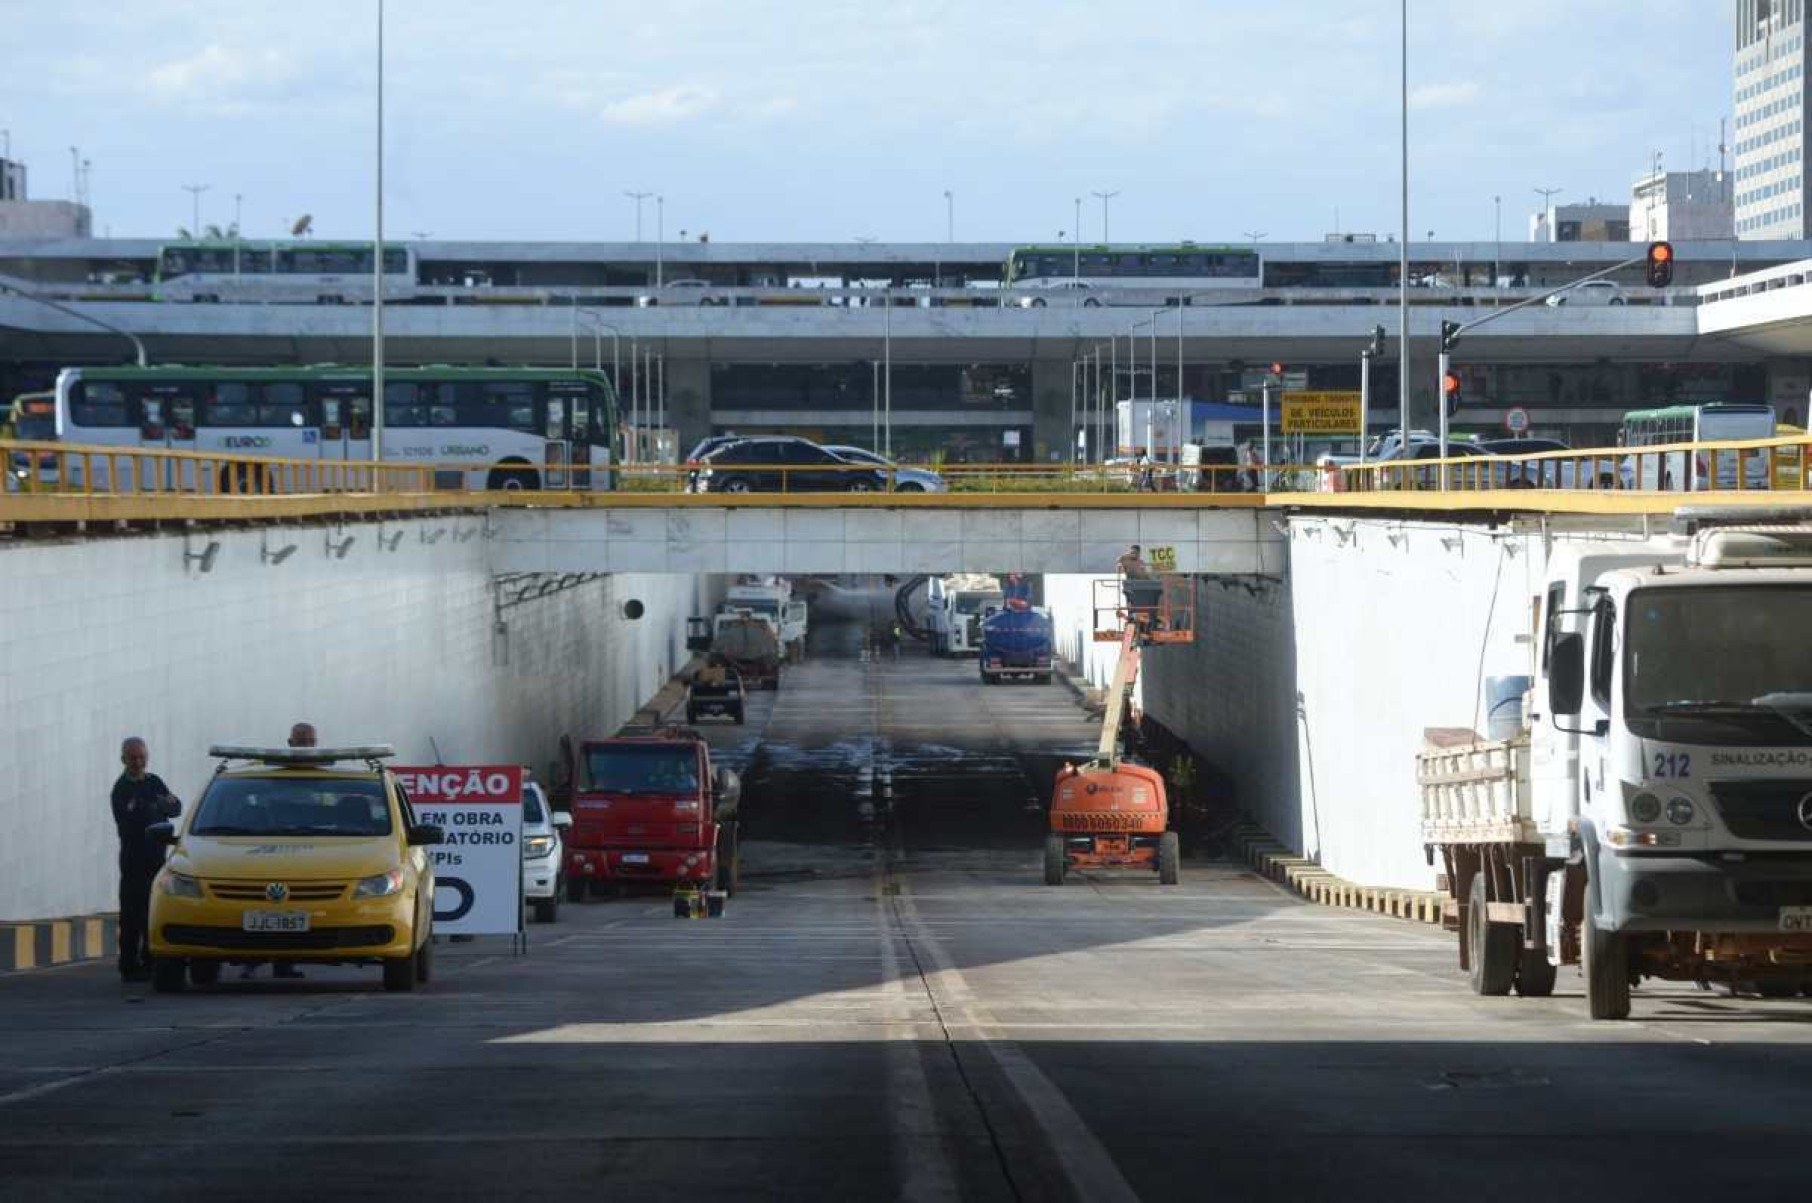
1109,813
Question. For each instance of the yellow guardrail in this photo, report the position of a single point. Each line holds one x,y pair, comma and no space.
141,482
1738,465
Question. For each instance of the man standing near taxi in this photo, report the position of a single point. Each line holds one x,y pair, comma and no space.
140,798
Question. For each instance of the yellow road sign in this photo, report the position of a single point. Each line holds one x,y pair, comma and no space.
1321,413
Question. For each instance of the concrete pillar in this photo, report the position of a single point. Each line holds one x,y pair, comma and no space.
1051,431
689,400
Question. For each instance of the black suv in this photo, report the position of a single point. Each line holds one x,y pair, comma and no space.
781,464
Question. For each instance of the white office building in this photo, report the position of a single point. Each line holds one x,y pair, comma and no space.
1770,137
1681,205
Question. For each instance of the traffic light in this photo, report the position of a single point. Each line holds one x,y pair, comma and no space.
1660,264
1450,391
1450,335
1377,347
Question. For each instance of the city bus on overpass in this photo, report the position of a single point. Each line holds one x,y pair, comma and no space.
477,428
325,273
1714,422
1137,275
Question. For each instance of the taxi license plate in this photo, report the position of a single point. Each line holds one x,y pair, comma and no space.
274,920
1796,918
635,858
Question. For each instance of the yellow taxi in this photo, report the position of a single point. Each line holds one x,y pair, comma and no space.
302,855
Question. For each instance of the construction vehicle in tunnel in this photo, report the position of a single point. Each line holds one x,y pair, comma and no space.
1109,812
651,808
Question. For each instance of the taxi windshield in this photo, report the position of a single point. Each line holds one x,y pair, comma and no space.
268,806
641,769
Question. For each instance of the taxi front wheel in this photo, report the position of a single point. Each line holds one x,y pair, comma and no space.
399,973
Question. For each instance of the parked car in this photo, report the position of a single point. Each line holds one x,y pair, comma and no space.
543,853
1592,292
682,292
1461,475
781,464
905,480
1547,473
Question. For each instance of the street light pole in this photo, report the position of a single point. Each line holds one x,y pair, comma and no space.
1076,268
194,191
638,198
1105,197
949,216
660,239
377,263
1497,242
1403,252
887,371
1547,209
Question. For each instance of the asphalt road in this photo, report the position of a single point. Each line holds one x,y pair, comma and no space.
894,1007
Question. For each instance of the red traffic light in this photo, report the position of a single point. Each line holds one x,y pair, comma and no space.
1660,264
1450,384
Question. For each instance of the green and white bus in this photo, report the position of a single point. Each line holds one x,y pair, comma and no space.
1170,272
479,428
1714,422
281,272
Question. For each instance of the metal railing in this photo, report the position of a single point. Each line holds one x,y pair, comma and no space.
1738,466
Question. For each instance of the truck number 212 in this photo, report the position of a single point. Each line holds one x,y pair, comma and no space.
1673,764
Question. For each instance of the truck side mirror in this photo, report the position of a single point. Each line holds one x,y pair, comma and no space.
424,834
563,819
698,633
728,786
1566,673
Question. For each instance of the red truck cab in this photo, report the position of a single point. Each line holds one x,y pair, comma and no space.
650,808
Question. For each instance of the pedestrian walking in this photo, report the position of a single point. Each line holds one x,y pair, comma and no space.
897,635
140,799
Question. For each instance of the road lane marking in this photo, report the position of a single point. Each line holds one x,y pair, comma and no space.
919,1153
1084,1160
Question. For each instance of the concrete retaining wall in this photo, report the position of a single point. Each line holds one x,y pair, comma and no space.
108,638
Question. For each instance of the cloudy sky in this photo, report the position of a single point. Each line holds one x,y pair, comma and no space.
839,119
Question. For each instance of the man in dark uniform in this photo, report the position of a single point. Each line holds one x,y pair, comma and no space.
140,798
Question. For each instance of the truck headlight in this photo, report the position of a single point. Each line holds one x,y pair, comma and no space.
380,885
1679,811
180,885
537,846
1645,808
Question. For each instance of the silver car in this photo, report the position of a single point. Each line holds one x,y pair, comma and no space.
905,480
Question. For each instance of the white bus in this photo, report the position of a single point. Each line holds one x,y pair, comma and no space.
323,273
1715,422
1130,275
489,428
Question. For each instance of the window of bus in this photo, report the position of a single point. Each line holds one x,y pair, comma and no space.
510,404
235,403
99,403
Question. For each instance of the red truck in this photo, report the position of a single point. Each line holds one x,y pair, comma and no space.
650,808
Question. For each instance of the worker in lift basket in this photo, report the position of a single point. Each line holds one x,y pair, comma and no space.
1139,585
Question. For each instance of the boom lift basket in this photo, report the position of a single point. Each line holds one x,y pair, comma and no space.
1162,607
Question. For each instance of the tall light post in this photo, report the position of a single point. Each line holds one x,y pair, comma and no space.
1076,267
1105,197
1547,208
1497,241
1253,236
194,191
660,239
887,370
238,212
377,261
1403,250
638,198
949,216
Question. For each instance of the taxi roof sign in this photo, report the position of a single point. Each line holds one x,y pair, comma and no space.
301,755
